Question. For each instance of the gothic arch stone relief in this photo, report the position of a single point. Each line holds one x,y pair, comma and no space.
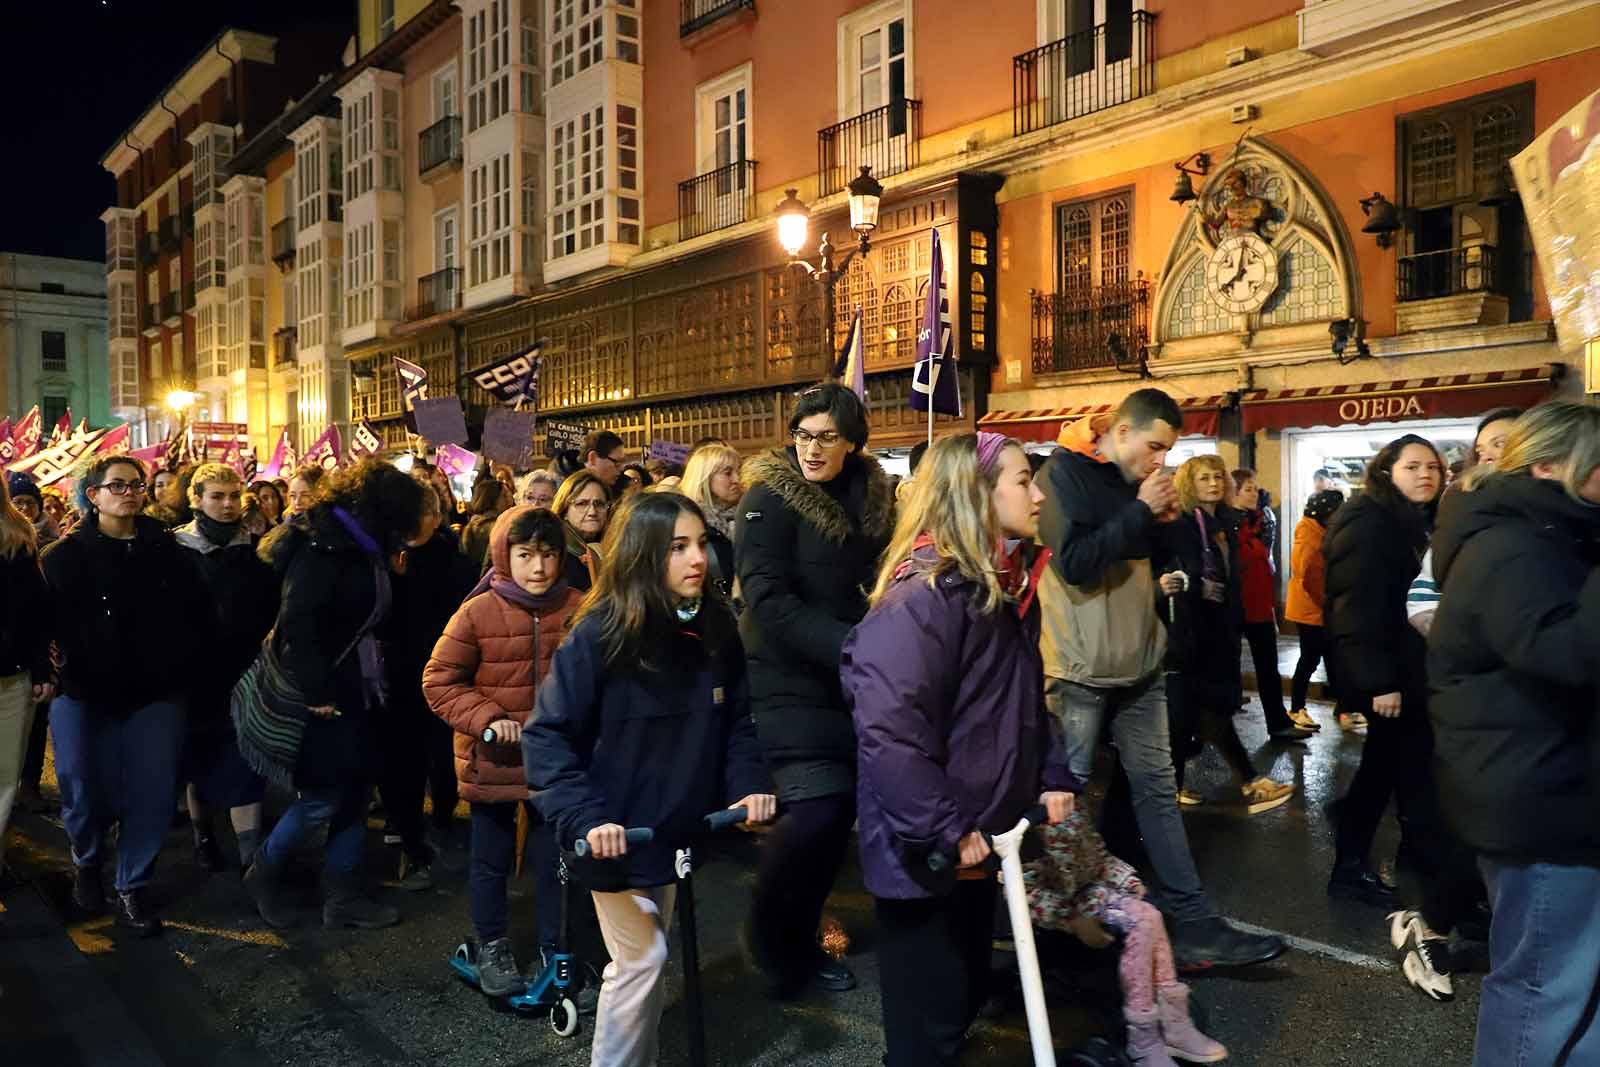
1261,260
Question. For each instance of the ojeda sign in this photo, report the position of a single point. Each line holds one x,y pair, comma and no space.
1381,408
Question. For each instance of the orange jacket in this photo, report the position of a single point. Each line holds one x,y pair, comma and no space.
1304,602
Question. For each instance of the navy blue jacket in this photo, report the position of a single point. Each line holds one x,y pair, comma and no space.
657,748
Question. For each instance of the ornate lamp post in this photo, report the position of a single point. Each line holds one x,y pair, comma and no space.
866,192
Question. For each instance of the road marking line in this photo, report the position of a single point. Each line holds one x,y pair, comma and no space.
265,938
1320,948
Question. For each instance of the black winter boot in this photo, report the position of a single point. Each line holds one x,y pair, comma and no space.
264,883
348,903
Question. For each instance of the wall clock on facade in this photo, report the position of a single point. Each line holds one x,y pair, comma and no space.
1242,273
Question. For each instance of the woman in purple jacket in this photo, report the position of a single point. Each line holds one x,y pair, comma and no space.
946,683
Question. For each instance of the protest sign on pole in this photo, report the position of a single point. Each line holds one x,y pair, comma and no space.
563,435
440,420
669,452
508,437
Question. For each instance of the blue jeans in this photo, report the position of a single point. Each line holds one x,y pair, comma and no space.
1137,716
342,809
1542,993
116,767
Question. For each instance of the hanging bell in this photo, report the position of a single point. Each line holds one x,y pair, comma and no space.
1183,189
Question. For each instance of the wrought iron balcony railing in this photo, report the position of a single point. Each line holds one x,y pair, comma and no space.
717,199
887,139
439,144
167,237
439,292
698,14
1449,272
1083,329
1082,73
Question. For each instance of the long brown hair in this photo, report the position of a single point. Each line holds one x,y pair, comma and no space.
16,532
638,615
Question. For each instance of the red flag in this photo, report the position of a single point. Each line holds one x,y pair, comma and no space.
27,432
8,448
63,430
114,443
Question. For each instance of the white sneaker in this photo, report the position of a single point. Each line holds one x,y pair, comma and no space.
1425,960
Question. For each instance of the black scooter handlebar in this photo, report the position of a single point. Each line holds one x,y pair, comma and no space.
721,820
635,835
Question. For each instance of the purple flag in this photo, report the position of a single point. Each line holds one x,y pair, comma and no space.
852,370
935,373
328,450
364,440
454,460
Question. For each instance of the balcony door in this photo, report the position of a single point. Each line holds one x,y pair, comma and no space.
876,73
446,253
1094,297
445,102
1094,65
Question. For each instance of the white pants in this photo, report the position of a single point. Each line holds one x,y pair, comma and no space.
16,719
628,1017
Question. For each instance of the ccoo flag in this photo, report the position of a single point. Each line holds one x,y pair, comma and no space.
851,369
413,381
364,440
512,379
935,373
328,449
26,433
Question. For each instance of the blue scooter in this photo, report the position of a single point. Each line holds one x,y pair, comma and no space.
552,989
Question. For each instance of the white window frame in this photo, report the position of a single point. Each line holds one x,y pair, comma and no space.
453,215
850,28
448,74
706,95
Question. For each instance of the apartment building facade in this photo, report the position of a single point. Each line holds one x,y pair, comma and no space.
188,257
53,350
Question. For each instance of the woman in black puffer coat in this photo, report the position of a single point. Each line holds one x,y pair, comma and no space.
337,592
1373,549
1512,657
813,521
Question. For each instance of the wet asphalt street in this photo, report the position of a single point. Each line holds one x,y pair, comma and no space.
220,988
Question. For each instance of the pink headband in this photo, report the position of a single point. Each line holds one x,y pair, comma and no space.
989,446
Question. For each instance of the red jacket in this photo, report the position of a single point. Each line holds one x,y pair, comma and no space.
1255,571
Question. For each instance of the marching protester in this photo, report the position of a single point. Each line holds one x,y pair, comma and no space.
1257,533
814,519
1488,444
301,487
243,597
28,500
643,720
1108,503
161,481
26,676
604,455
430,581
1512,659
711,479
945,681
539,488
583,504
124,596
271,503
309,710
57,510
489,499
1303,607
483,675
1205,611
1374,548
172,507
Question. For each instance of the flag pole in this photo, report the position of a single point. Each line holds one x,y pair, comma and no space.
931,383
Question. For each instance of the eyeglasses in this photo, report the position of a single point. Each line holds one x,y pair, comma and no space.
827,438
588,505
120,488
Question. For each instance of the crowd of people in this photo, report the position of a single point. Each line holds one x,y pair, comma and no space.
605,644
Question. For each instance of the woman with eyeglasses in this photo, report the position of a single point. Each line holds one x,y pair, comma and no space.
808,533
125,597
583,503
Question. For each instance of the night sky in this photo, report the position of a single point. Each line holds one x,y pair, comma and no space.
79,72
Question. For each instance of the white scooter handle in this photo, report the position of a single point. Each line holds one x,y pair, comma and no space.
1008,846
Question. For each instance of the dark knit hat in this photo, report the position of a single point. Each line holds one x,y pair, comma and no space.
22,484
1322,505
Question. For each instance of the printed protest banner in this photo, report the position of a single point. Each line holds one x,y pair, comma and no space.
563,435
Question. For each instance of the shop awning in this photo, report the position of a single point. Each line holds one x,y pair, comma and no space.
1044,424
1446,396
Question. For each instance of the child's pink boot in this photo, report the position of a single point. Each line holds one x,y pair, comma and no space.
1181,1037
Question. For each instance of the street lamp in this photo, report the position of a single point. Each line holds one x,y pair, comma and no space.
181,400
865,194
